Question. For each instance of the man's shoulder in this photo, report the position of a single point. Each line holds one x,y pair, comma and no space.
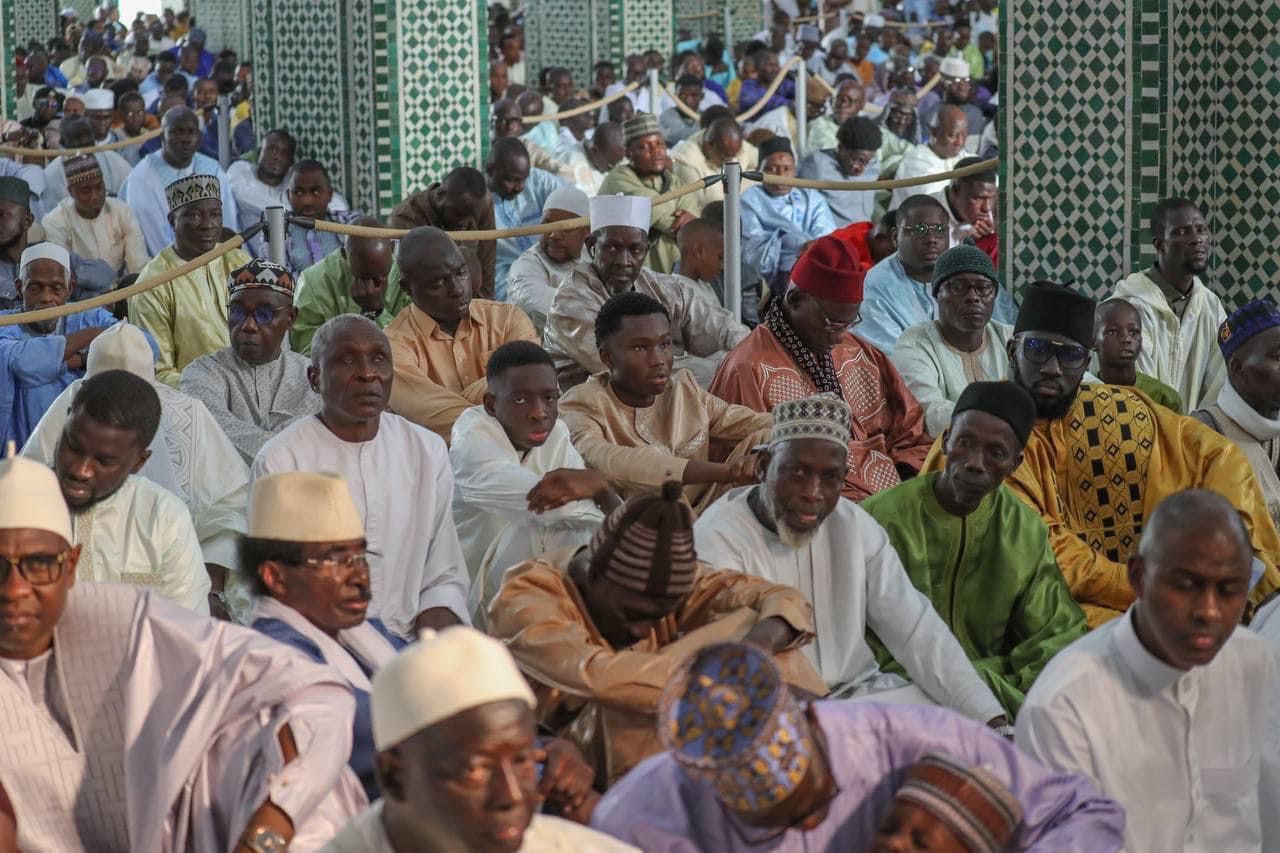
918,334
1085,659
881,276
153,499
555,833
395,427
587,395
280,446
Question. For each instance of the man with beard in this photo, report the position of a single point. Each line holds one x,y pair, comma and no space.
948,133
852,157
40,359
1172,708
794,529
1101,457
146,190
129,529
188,315
1180,315
535,275
398,473
806,346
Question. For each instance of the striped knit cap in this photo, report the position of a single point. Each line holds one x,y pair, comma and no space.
646,545
82,169
977,808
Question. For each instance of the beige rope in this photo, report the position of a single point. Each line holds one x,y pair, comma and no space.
499,234
747,115
984,166
681,105
51,153
124,293
585,108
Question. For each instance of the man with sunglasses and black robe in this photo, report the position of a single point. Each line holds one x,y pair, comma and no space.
1100,458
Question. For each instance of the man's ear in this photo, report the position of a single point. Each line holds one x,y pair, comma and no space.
142,460
606,357
389,769
490,407
1011,348
1137,574
274,578
313,378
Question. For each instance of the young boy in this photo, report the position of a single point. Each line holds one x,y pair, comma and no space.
1118,340
92,225
311,194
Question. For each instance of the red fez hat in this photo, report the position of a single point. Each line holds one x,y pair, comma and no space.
830,269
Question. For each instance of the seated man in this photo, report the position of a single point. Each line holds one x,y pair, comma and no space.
1248,407
360,278
519,194
779,222
189,456
981,555
398,473
310,194
806,346
1180,314
706,152
970,202
1101,457
647,173
42,358
794,529
77,133
92,225
945,801
520,487
534,276
255,387
898,288
587,162
854,158
676,126
702,330
1172,708
1118,343
246,746
748,766
187,315
599,630
257,186
305,555
939,358
641,425
128,528
460,202
478,715
147,189
948,135
441,343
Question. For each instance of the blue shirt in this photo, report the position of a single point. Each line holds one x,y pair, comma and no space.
846,207
35,372
362,749
524,209
892,301
753,90
776,228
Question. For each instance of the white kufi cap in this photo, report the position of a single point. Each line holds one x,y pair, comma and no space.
873,22
31,498
569,199
443,674
629,210
45,251
300,506
121,347
99,99
954,66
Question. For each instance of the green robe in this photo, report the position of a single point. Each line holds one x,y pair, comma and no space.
324,292
663,250
991,576
1158,391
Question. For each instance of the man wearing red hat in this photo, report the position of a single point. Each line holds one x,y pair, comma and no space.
805,345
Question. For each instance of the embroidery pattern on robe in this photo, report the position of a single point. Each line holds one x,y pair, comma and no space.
1109,454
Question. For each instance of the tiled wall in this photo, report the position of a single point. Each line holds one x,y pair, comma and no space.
1110,106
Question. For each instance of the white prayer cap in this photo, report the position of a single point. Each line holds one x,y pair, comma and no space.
301,506
873,22
629,210
31,498
442,674
569,199
69,12
954,66
44,251
121,347
99,99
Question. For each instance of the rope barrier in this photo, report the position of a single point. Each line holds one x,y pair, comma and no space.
52,153
585,108
984,166
747,115
135,288
681,105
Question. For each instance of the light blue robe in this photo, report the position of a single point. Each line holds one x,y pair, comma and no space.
144,193
524,209
775,228
846,207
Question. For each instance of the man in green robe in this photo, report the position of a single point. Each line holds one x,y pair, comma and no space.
979,553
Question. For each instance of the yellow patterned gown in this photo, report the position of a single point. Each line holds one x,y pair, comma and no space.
1096,475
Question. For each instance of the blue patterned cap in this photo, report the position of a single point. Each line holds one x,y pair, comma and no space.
1253,318
730,720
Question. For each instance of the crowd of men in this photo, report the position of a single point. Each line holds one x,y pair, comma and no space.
529,543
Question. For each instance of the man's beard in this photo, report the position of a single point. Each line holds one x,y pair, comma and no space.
790,537
1049,411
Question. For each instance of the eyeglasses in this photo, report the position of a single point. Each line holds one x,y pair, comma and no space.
923,228
346,563
262,315
1040,350
984,289
838,325
36,569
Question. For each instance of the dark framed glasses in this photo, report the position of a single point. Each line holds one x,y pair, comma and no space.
1040,350
262,315
36,569
955,287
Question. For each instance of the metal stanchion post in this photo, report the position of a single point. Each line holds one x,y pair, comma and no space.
733,238
224,131
655,92
728,28
802,109
822,18
275,234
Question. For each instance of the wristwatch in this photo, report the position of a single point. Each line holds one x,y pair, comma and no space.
1005,731
265,840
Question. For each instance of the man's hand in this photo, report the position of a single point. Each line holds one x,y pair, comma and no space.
683,218
772,634
78,342
565,485
566,780
369,293
983,227
744,471
435,618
